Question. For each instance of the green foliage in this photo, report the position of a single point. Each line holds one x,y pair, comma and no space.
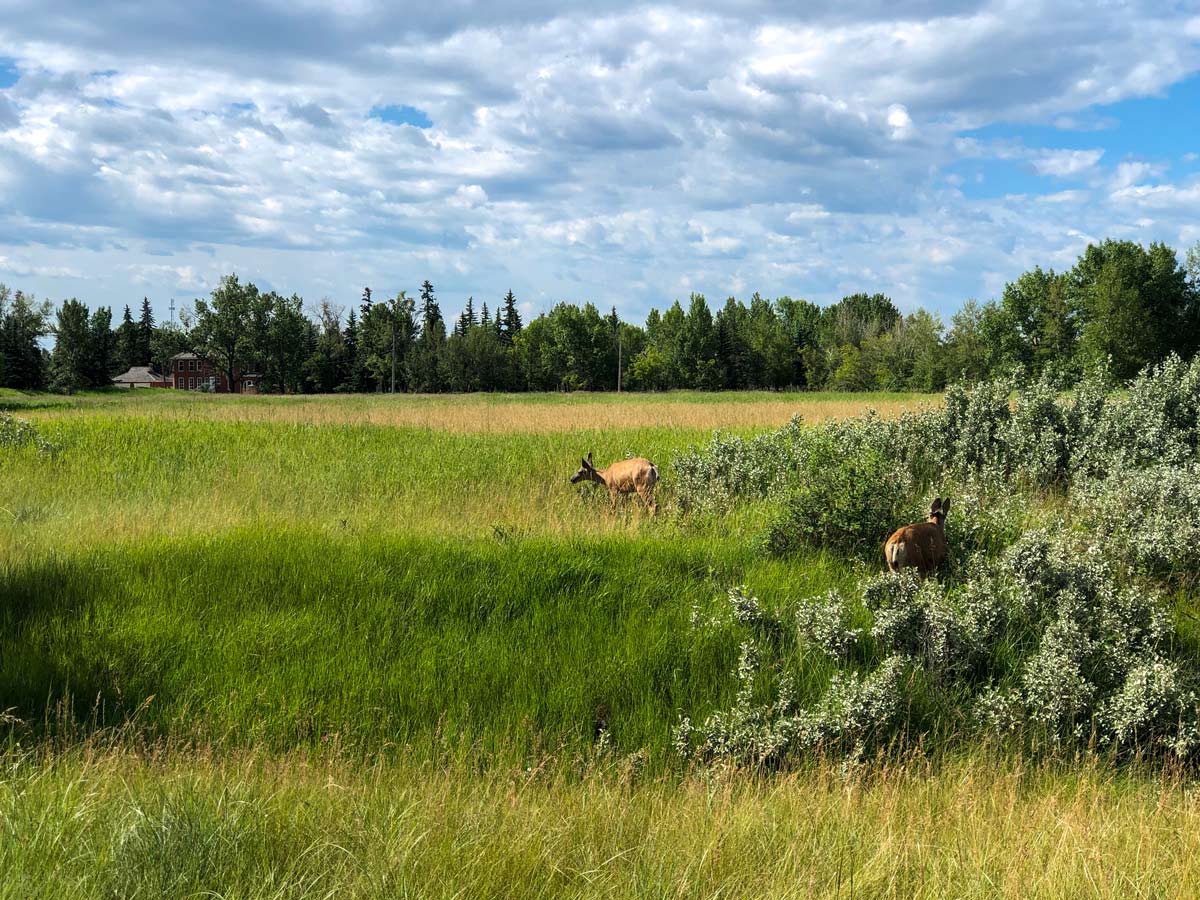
23,322
849,503
223,326
71,362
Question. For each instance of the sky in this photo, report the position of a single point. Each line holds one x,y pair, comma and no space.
622,153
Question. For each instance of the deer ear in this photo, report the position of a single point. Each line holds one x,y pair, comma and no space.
589,459
585,463
937,504
945,506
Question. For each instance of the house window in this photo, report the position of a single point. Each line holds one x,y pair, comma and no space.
191,365
191,383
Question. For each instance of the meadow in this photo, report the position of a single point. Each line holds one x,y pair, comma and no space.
379,646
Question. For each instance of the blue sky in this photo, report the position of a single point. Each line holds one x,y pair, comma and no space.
625,154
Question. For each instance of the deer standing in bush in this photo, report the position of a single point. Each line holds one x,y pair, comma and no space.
921,545
624,477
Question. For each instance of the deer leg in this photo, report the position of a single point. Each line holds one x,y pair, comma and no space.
647,494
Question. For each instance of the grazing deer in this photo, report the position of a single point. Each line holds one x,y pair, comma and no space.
921,545
623,477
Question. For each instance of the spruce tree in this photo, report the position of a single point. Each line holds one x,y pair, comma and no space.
466,321
127,342
352,380
145,334
104,362
428,363
512,319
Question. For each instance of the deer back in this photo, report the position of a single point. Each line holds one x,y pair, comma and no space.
921,545
626,475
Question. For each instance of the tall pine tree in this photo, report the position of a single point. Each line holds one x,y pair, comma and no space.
127,342
511,323
427,369
145,334
466,321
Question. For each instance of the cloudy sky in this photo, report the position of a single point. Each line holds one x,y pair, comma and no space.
622,153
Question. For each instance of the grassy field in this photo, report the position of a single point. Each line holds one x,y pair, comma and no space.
106,823
279,582
364,646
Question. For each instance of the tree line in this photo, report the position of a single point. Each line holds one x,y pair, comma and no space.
1122,305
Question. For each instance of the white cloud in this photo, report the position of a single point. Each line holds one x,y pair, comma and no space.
613,156
1065,163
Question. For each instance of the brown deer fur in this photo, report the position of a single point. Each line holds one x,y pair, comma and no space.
624,477
921,545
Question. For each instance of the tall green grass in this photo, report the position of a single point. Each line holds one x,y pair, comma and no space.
288,637
108,824
121,478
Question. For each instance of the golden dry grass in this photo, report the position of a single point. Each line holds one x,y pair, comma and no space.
507,413
116,824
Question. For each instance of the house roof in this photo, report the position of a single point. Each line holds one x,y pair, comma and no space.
185,356
138,375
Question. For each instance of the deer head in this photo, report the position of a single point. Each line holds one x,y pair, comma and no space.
937,512
587,472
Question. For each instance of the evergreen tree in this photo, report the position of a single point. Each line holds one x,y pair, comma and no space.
733,350
769,347
127,342
698,346
352,382
511,325
801,322
103,360
145,334
427,368
466,321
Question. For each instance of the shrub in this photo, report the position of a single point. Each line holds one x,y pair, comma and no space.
825,624
1155,707
1151,516
993,434
1044,635
16,433
732,467
855,713
848,503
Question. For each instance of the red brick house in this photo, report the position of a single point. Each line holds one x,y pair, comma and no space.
191,372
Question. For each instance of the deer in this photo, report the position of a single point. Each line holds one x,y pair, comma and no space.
623,477
921,545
